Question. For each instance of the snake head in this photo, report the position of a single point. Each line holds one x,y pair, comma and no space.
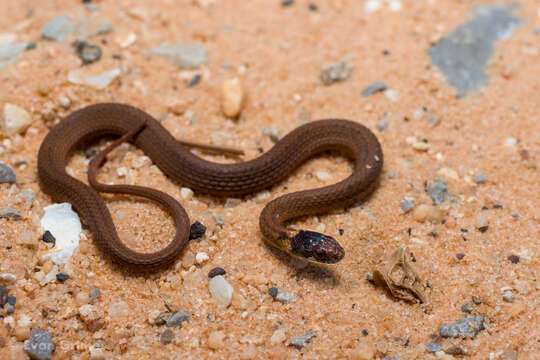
315,246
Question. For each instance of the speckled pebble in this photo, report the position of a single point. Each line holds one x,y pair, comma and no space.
438,192
6,174
406,204
479,178
469,326
467,308
9,213
509,296
335,73
432,347
40,345
301,341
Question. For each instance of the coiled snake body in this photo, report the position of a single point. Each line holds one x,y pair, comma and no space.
131,124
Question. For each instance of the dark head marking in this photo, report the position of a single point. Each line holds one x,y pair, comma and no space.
316,246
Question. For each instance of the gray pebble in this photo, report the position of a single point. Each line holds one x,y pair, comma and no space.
406,205
467,308
284,298
463,54
273,291
29,196
162,318
219,219
479,178
335,72
301,341
166,337
40,345
432,347
374,88
382,125
58,29
10,52
469,326
9,213
6,174
183,55
177,319
438,192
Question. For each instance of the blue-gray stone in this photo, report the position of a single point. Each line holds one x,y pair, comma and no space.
177,319
58,28
183,55
6,174
469,326
39,346
406,205
301,341
10,52
438,192
479,178
373,88
432,347
463,54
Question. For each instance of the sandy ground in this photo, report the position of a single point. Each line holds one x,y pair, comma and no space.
278,52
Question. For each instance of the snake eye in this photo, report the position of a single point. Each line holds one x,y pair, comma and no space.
317,246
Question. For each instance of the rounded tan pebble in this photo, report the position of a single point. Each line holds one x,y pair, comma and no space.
278,336
232,96
238,301
425,212
22,333
481,220
363,352
215,340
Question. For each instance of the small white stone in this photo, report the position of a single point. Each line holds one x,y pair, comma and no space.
394,5
64,102
65,225
14,120
262,197
509,296
511,142
127,40
99,81
186,193
201,257
278,336
372,5
421,146
391,94
221,290
96,353
273,133
121,171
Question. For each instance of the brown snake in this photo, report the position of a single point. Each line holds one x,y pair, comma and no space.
352,139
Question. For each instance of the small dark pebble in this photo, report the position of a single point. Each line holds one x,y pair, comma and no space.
413,259
460,256
3,295
260,150
432,347
455,350
485,207
353,306
497,206
514,259
313,7
524,154
10,309
49,238
90,152
6,174
476,300
464,230
86,52
365,332
386,53
195,80
467,308
61,277
432,233
287,2
216,271
12,300
20,163
409,231
166,337
341,231
273,291
483,228
31,45
196,231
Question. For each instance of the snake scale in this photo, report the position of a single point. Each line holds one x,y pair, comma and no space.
131,124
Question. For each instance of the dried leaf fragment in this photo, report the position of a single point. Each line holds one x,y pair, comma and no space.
399,277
